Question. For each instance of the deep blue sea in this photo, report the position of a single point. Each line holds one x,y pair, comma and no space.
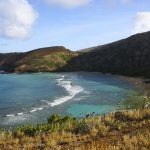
32,98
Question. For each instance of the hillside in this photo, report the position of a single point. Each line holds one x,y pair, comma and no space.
39,60
129,56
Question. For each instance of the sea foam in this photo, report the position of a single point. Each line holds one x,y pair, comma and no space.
72,91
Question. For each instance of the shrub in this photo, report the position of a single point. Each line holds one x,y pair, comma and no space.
27,130
54,118
82,128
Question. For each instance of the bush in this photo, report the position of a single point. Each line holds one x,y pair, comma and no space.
27,130
67,119
82,128
54,118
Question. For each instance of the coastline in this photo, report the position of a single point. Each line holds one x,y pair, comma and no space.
127,129
139,83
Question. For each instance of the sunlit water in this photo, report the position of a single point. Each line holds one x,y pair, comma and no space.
32,98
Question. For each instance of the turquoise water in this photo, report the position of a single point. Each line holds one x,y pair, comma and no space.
32,98
80,110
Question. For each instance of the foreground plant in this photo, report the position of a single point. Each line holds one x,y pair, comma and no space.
129,129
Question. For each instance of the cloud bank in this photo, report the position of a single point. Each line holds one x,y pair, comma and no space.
69,3
16,18
142,22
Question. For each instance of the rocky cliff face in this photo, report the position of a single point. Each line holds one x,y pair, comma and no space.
129,56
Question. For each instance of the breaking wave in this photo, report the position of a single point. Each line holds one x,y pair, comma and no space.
72,91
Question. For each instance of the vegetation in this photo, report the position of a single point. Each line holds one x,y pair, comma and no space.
135,101
46,63
40,60
128,129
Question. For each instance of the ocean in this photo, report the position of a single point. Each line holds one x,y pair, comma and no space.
32,98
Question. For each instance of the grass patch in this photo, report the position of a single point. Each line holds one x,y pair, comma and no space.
128,129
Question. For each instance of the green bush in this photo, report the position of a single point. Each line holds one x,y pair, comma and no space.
27,130
54,118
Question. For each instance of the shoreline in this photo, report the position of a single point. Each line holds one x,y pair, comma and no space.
139,84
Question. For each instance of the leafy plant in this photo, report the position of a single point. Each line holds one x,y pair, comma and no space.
27,130
54,118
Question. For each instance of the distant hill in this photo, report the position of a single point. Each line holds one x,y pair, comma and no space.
39,60
130,56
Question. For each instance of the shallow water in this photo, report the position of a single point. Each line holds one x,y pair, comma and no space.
32,98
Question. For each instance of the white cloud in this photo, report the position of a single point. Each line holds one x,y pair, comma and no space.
69,3
16,18
142,22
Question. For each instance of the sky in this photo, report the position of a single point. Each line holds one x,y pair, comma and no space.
75,24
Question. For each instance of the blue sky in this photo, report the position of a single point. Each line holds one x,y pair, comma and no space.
43,23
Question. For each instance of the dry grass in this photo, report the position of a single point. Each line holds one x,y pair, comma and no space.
126,130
